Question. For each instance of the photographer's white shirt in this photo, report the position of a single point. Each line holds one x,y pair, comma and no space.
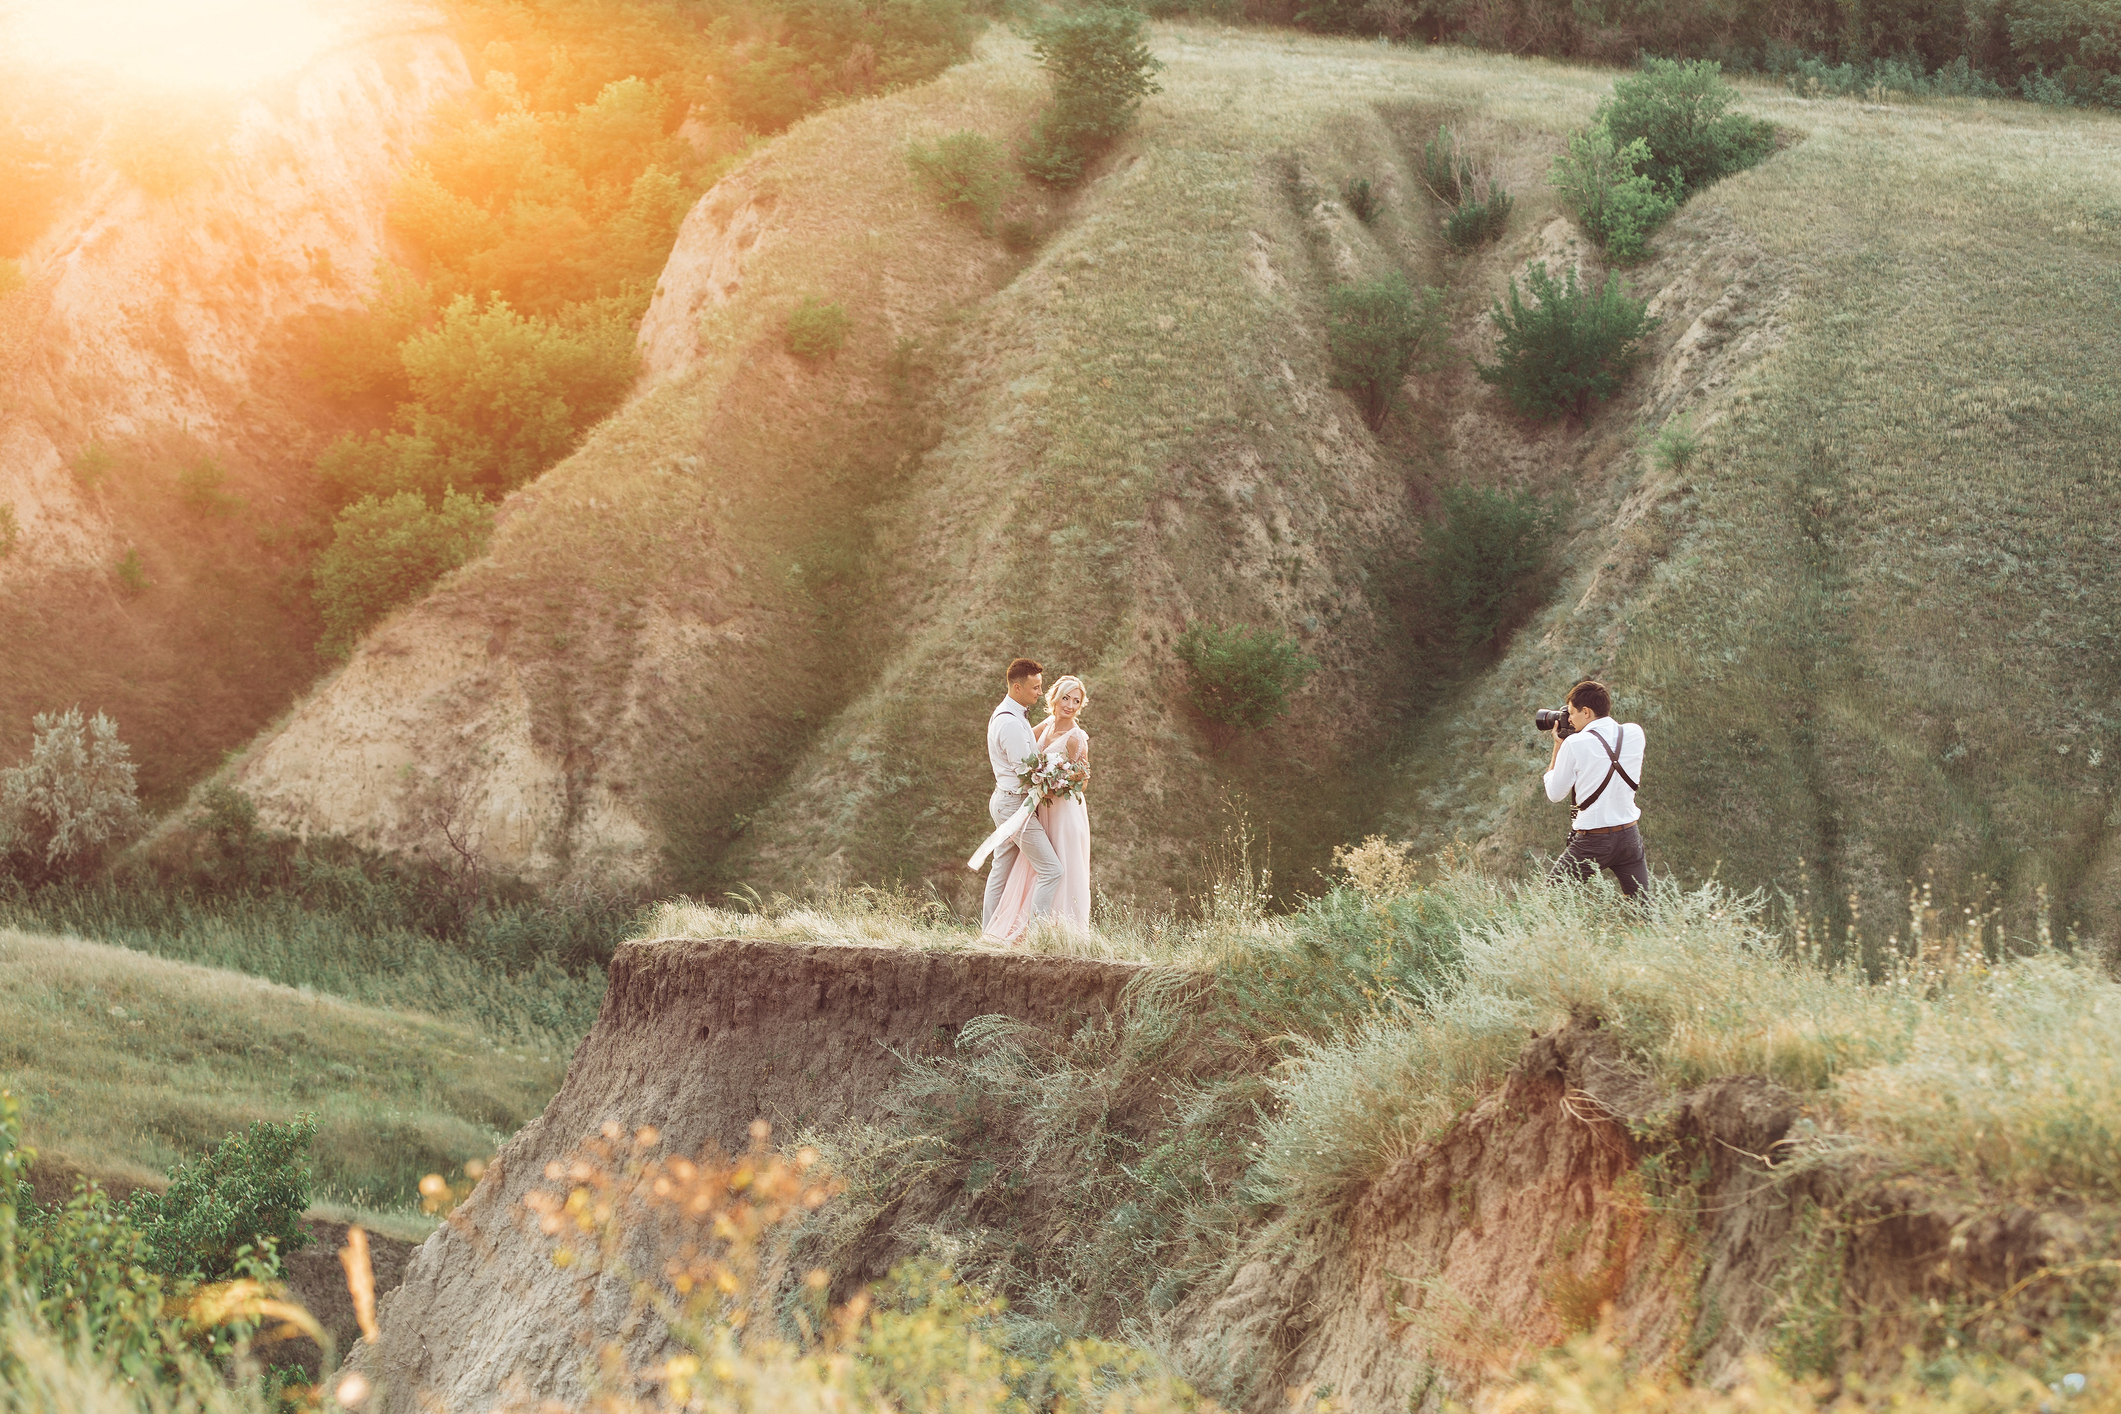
1583,764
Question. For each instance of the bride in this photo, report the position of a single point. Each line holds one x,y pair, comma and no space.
1066,822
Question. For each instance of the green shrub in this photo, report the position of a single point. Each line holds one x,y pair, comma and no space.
1101,68
91,464
1360,197
1680,111
1569,350
1676,444
71,798
132,575
966,173
503,396
1241,677
817,328
10,529
1446,168
200,486
1481,561
1477,220
1617,205
387,551
1379,332
248,1193
382,464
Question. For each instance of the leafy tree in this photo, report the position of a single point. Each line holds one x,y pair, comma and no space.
1099,61
386,552
1241,677
1481,561
1379,332
71,798
1617,205
503,395
1569,350
250,1191
1680,112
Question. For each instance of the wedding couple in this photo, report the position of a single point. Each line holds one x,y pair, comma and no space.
1042,867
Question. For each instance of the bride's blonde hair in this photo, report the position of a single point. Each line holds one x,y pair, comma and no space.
1053,693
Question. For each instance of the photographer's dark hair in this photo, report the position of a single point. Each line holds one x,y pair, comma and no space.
1023,668
1592,694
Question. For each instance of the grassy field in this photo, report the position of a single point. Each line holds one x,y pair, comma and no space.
126,1063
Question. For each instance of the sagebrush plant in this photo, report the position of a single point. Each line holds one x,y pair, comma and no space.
202,484
386,552
1617,204
1681,113
91,464
132,573
1099,61
1677,444
966,172
1380,332
817,327
72,798
1360,197
1483,561
1239,676
1570,348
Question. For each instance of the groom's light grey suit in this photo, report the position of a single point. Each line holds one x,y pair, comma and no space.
1009,741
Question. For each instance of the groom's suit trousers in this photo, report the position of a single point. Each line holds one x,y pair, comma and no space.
1032,850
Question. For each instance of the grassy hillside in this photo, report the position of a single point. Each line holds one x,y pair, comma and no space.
1872,627
126,1063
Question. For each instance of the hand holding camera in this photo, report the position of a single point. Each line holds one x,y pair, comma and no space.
1555,720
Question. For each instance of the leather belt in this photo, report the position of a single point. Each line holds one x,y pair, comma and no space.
1609,829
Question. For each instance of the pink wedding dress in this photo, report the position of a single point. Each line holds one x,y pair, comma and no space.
1067,824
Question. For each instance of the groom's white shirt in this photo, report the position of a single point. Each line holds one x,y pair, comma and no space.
1009,741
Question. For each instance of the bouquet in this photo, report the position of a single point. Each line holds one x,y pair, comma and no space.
1042,780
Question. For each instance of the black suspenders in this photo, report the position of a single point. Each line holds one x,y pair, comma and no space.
1611,771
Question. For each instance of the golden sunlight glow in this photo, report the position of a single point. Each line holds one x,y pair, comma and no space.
171,44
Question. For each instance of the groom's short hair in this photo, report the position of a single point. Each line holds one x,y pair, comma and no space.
1024,668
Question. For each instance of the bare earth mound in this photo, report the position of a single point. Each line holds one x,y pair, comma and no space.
697,1038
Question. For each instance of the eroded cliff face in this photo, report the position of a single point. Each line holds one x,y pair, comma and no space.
698,1039
158,328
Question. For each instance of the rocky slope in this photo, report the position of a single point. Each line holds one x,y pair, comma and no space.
156,327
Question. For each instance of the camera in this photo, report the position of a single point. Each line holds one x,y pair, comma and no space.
1553,719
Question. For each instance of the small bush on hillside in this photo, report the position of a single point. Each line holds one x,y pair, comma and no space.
1101,68
382,464
200,485
1360,197
1446,168
386,552
967,174
1478,220
1568,350
1616,204
1482,561
1379,332
10,529
249,1192
1241,677
91,464
132,574
71,798
1676,444
817,328
1681,112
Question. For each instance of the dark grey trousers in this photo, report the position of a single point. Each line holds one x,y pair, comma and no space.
1617,850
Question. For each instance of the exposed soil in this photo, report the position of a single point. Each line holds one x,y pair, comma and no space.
699,1039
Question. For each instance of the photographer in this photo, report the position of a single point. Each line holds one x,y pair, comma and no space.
1597,763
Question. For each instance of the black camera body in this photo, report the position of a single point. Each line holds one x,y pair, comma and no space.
1554,719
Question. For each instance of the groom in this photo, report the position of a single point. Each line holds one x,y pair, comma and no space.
1009,742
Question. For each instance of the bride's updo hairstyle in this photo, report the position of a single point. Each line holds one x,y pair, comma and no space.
1053,693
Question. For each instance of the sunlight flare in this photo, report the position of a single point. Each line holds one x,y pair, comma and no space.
172,44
